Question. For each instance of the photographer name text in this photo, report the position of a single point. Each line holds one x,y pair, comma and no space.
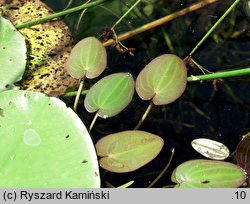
60,195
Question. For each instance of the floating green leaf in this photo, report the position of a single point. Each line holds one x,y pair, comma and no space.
127,151
243,153
163,80
44,144
210,148
110,95
12,54
203,173
87,58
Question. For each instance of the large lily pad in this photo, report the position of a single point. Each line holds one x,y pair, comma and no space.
203,173
110,95
243,153
87,58
12,54
163,80
43,144
127,151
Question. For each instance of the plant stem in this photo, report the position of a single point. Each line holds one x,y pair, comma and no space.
81,16
160,21
126,185
78,94
68,5
125,14
59,14
144,115
164,170
74,93
218,75
214,26
93,121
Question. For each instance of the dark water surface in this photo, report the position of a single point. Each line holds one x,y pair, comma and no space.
222,115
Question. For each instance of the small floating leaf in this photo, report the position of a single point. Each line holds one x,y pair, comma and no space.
127,151
203,173
243,153
44,144
87,58
163,79
210,148
12,54
110,95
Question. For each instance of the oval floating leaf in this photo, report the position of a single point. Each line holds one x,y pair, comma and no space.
87,58
44,144
163,79
243,153
210,148
127,151
203,173
12,54
110,95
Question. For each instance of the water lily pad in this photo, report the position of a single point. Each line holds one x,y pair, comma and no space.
12,54
44,144
163,80
210,148
243,153
87,58
127,151
203,173
110,95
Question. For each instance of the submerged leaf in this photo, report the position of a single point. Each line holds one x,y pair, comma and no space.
243,153
163,80
203,173
110,95
127,151
12,54
87,58
210,148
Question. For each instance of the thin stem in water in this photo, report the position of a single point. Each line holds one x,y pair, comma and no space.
164,170
68,4
80,17
78,94
214,26
203,69
144,115
60,14
93,121
125,14
74,93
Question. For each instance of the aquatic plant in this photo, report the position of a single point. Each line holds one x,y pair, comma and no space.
44,125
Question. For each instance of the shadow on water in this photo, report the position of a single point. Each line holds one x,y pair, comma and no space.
202,111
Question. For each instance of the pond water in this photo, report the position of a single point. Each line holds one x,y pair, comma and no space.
220,112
